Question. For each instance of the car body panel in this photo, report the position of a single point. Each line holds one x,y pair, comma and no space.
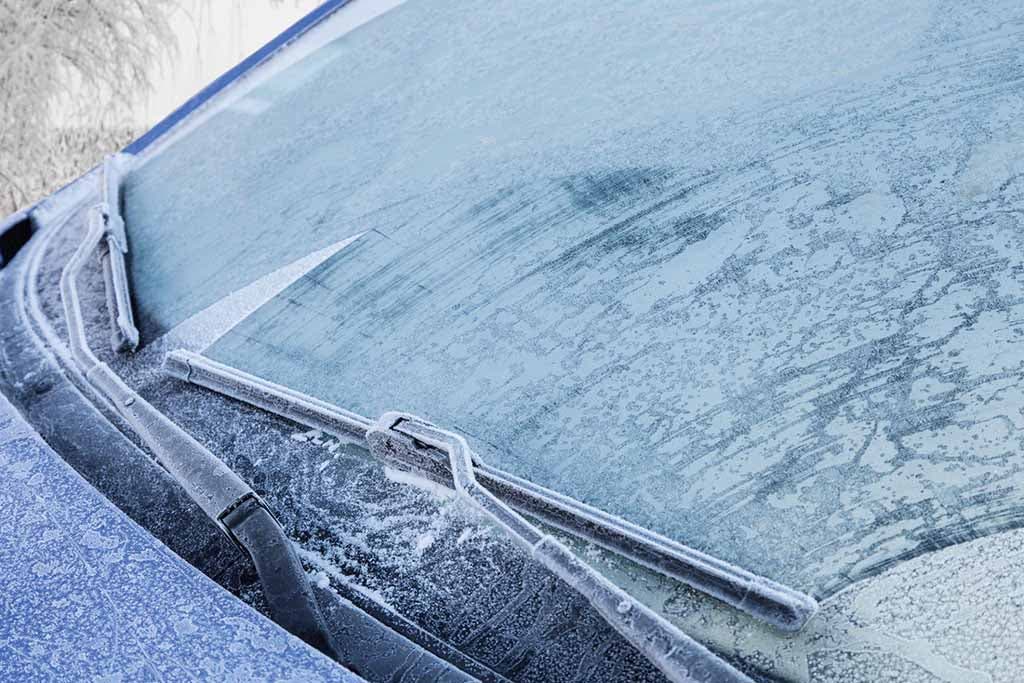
88,594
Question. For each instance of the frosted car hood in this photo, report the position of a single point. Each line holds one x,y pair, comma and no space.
88,594
745,275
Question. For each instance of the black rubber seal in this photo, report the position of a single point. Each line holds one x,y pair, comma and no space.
14,234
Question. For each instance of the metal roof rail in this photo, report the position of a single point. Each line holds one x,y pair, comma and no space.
780,606
218,491
124,334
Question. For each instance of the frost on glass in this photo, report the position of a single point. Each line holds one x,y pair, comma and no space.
749,275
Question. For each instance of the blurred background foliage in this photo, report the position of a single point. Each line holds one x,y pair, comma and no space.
82,78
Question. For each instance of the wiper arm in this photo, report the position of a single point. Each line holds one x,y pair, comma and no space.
766,600
217,490
397,436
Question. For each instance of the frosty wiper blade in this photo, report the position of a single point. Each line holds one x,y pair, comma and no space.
773,603
114,249
410,443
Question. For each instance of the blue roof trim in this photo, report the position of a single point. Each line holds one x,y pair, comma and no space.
296,30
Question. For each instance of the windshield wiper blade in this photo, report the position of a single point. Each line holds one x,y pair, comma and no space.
113,254
410,443
780,606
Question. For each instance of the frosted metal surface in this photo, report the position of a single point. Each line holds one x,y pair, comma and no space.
88,595
748,274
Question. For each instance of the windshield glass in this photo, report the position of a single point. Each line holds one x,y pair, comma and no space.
748,275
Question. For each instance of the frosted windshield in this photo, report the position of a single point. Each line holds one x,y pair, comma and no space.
749,275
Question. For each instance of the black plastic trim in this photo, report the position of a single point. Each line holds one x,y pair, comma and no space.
15,232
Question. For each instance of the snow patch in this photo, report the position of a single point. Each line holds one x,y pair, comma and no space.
424,541
327,571
210,324
422,483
